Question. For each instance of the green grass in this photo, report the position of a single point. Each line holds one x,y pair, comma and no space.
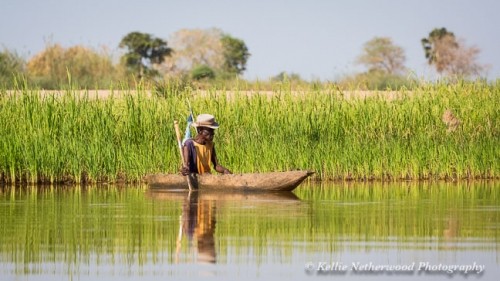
45,138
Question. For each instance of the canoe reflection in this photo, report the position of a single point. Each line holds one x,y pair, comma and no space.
198,218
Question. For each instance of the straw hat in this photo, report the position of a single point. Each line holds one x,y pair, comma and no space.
205,120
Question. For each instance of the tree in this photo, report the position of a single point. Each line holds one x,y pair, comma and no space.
210,47
435,37
87,67
438,41
194,47
143,52
10,64
235,54
451,56
462,61
381,55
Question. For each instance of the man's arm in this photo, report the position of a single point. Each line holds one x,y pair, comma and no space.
185,165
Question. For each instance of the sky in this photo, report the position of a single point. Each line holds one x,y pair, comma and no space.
317,39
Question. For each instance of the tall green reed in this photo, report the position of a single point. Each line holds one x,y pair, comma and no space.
78,137
364,138
50,137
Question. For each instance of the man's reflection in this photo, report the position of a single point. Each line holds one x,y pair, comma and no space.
197,221
198,224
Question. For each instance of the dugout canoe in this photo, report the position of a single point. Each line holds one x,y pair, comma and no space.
258,182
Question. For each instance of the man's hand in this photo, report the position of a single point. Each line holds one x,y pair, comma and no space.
184,171
222,170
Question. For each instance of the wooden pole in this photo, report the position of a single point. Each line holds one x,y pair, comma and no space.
178,135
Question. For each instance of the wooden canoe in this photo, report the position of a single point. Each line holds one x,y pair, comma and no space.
258,182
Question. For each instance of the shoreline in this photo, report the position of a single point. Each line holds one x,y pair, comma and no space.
69,182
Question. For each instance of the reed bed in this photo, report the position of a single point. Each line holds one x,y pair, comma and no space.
77,138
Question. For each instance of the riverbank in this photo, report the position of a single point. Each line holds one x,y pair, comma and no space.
436,132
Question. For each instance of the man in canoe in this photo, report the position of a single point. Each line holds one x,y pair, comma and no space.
199,151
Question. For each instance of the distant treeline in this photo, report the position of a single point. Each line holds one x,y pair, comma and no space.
204,58
85,68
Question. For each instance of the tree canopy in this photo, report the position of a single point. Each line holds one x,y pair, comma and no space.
435,37
209,47
50,68
194,47
380,54
235,54
451,56
143,51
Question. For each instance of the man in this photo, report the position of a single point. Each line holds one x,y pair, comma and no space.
199,151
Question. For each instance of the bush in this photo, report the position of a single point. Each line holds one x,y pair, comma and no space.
202,72
376,80
173,87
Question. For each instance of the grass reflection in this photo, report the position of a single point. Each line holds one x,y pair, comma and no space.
132,226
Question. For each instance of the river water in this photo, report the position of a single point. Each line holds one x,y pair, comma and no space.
398,231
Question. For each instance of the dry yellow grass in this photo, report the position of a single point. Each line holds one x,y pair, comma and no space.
104,94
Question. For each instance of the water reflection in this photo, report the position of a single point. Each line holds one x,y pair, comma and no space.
118,233
197,223
451,228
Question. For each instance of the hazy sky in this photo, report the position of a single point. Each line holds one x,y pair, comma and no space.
317,39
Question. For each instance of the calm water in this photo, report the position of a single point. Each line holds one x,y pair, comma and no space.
319,232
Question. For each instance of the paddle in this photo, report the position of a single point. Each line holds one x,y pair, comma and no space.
178,135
